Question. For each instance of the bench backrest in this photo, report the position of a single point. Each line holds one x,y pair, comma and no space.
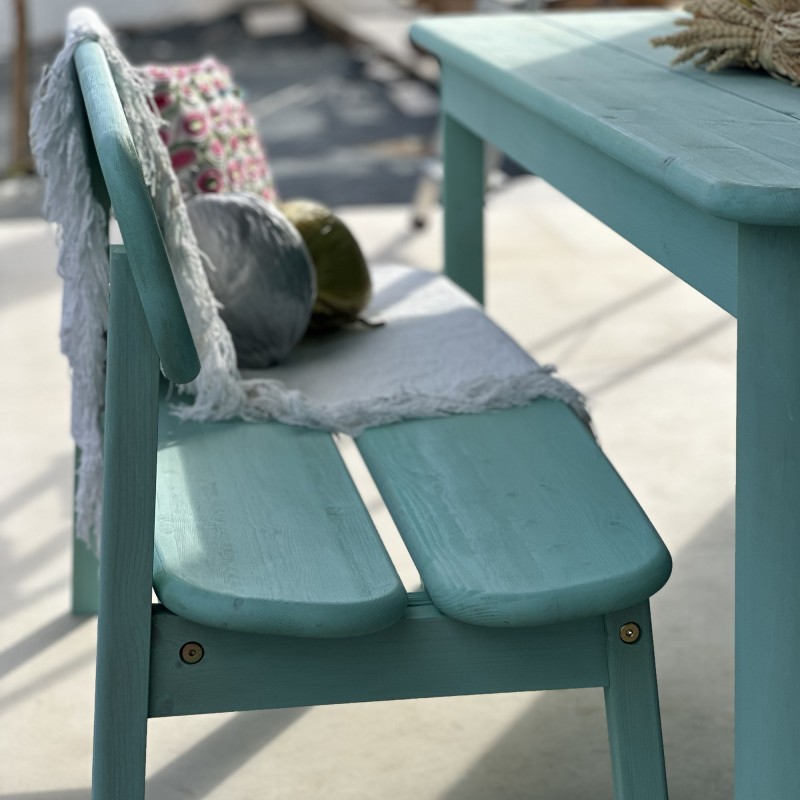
130,198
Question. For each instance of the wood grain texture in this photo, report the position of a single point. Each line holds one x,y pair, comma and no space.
260,528
768,516
424,655
632,710
696,144
516,517
130,198
255,535
126,566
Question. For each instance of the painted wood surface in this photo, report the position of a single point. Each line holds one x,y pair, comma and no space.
85,579
768,516
693,244
130,198
515,518
424,655
632,709
687,142
266,551
85,566
260,528
126,567
462,196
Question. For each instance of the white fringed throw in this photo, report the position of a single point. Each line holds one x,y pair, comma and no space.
436,355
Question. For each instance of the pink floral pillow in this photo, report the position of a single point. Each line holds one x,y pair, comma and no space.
210,134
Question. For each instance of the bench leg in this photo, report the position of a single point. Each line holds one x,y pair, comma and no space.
85,569
126,559
84,579
632,712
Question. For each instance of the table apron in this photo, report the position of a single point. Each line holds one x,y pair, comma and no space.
699,248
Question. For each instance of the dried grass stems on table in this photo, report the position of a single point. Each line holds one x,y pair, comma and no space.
759,34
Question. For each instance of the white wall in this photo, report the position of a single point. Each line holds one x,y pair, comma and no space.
46,18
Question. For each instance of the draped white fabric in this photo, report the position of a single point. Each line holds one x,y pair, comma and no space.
437,353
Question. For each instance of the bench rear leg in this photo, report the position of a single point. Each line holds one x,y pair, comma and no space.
85,569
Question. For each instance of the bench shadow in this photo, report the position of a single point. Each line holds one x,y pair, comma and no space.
602,315
45,480
207,764
37,641
221,753
706,332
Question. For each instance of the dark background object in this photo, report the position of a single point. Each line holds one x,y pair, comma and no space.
340,125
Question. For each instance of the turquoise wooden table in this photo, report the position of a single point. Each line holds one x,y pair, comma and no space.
702,172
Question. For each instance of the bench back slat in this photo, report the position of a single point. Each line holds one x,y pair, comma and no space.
130,199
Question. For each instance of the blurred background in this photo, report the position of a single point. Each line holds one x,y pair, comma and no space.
346,107
338,122
348,113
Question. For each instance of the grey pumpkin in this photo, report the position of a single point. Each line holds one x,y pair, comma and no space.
262,273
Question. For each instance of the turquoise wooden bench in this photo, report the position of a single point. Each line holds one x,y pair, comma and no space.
275,588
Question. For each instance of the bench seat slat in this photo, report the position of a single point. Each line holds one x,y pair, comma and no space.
515,518
259,528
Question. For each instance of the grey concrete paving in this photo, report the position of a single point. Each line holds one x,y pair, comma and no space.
656,360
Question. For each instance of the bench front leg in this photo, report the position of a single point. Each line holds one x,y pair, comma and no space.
632,709
126,559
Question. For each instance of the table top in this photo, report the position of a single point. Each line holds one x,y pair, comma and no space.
725,142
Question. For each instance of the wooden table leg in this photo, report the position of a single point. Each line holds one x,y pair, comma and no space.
768,515
462,195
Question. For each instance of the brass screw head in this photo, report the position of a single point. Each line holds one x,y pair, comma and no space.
630,632
192,652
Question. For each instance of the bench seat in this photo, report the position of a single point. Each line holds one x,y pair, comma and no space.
513,518
294,552
516,517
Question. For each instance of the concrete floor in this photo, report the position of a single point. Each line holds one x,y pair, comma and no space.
657,363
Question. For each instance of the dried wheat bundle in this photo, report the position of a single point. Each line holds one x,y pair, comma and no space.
759,34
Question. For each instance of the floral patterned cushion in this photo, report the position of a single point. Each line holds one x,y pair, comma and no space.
209,131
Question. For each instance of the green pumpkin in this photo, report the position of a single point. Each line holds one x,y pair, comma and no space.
343,283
